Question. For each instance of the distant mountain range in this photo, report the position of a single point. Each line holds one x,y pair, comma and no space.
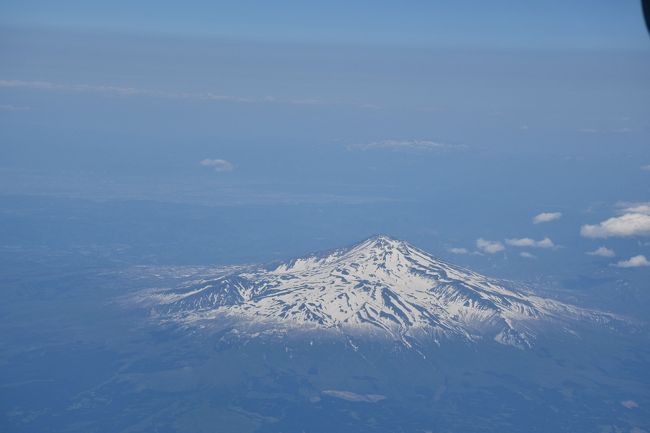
379,288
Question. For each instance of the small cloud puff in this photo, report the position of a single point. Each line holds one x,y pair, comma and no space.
630,404
458,250
642,208
528,242
219,165
7,107
351,396
602,252
527,255
646,167
545,217
636,222
407,145
634,262
490,247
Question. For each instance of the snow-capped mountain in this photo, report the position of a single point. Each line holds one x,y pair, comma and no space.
379,287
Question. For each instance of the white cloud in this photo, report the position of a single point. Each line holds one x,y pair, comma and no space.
602,252
523,242
528,242
458,250
219,165
527,255
8,107
545,217
623,130
412,145
630,404
351,396
646,167
634,262
47,85
545,243
123,91
642,207
490,247
629,224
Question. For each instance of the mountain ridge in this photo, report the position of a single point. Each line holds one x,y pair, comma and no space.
380,286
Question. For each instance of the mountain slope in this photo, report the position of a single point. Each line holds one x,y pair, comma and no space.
381,287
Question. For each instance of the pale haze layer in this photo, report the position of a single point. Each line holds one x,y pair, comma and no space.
487,130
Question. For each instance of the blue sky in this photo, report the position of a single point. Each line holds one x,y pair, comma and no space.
549,24
438,122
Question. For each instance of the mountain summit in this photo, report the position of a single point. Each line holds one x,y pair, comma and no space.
379,287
